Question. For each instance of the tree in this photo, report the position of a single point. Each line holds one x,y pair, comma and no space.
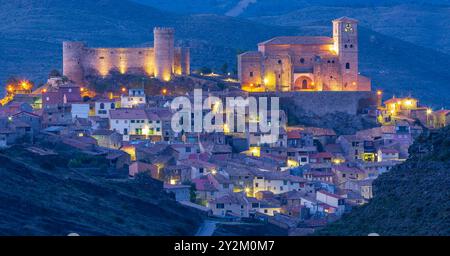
224,68
12,80
205,70
192,194
54,73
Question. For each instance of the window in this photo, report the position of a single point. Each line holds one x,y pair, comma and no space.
133,121
220,206
125,131
188,149
347,65
251,74
351,46
302,60
279,62
113,106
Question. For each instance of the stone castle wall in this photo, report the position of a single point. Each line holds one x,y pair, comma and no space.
326,102
79,61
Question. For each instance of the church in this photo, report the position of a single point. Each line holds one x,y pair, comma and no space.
305,63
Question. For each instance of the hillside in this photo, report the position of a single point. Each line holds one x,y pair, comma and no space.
424,25
411,199
254,8
30,46
40,195
32,31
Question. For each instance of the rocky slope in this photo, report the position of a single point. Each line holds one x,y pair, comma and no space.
42,196
412,199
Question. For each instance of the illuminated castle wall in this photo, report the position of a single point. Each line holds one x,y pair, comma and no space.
313,63
163,61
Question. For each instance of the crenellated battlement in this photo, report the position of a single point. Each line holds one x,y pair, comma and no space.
162,61
164,29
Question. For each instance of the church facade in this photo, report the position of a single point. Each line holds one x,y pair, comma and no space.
313,63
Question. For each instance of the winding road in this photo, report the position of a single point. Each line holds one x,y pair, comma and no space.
207,228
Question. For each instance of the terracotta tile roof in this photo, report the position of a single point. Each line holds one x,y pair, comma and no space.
294,134
346,169
442,112
204,184
128,113
232,198
321,155
329,194
298,40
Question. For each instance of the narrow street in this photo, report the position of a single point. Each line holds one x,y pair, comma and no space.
207,228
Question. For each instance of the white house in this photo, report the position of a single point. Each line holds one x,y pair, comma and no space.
134,121
386,154
134,98
276,182
233,204
328,199
103,106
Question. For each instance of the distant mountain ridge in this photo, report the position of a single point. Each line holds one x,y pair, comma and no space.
31,47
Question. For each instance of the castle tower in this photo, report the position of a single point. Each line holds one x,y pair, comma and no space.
73,61
164,53
185,61
345,36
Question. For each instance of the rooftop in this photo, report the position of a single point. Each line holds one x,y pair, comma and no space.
298,40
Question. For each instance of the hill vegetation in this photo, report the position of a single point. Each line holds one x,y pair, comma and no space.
411,199
45,195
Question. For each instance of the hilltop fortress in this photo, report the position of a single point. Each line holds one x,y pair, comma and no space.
162,61
297,63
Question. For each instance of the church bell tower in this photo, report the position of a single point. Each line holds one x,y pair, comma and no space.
345,36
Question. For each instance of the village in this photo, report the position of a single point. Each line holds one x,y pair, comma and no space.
305,178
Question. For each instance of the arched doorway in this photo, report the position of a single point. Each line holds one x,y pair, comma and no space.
303,83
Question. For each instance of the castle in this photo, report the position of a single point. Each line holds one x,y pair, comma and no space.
297,63
162,61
